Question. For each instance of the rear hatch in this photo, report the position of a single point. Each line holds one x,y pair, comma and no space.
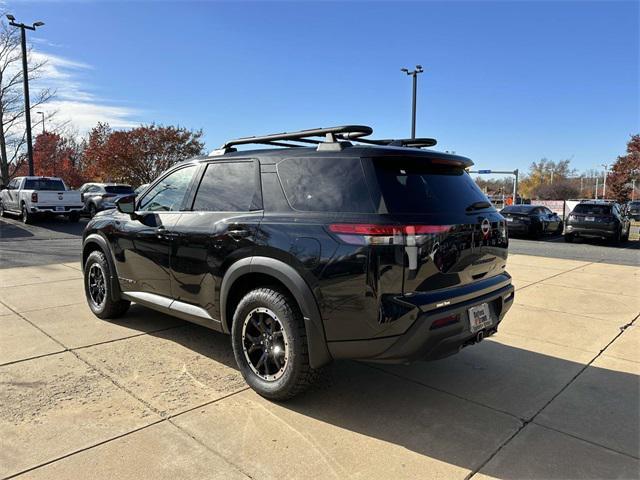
452,235
586,215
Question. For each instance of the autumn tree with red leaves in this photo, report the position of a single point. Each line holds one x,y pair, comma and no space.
138,155
625,170
56,156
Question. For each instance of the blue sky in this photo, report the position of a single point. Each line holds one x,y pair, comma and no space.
506,83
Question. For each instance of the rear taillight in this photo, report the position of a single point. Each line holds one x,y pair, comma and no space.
34,197
373,234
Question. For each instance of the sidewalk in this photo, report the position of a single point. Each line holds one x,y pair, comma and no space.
554,394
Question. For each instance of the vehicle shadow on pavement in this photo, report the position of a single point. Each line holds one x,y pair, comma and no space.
53,224
459,410
629,244
11,230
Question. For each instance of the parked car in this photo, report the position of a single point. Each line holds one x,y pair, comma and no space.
531,220
597,219
633,209
375,251
102,196
31,197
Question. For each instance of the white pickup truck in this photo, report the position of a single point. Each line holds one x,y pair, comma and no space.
33,196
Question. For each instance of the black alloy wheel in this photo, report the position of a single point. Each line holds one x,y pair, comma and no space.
97,288
264,344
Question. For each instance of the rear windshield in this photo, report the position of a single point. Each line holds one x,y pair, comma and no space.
120,189
518,209
417,186
44,184
592,209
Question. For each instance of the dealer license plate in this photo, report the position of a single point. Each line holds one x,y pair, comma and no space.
590,219
59,209
479,317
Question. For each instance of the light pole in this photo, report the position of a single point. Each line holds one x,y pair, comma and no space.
42,113
414,74
25,81
604,184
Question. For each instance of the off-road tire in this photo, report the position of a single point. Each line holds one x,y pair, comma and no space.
298,374
92,210
3,212
108,308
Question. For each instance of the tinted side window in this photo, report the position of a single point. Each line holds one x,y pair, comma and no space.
229,187
325,185
169,193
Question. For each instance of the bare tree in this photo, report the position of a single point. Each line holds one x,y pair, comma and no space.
12,124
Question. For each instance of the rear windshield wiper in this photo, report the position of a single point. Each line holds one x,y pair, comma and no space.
478,206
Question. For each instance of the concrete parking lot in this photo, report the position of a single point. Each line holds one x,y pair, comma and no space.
554,395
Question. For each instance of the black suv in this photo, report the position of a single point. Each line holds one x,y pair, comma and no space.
597,219
348,248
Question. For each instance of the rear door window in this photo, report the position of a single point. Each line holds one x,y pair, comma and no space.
330,184
229,187
415,185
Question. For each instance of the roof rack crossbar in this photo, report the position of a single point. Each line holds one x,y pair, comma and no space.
302,135
399,142
329,138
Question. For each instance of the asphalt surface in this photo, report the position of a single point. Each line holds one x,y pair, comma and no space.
58,241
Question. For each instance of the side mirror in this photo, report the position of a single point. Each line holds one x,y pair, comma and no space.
126,204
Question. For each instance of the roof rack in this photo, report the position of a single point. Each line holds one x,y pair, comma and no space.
336,138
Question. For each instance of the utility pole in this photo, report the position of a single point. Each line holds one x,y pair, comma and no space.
42,113
596,195
604,185
414,74
25,81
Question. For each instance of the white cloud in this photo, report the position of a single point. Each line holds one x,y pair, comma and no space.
74,102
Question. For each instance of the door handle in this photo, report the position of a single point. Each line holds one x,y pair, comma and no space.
238,234
162,232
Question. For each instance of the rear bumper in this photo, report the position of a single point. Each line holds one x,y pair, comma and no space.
421,341
596,232
519,228
52,209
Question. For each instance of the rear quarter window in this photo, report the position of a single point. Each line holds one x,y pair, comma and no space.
330,184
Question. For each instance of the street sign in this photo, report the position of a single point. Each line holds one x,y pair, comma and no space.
484,171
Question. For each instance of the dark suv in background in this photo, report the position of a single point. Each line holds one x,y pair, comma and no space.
348,248
597,219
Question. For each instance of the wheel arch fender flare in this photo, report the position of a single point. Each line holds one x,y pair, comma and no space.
102,243
318,352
